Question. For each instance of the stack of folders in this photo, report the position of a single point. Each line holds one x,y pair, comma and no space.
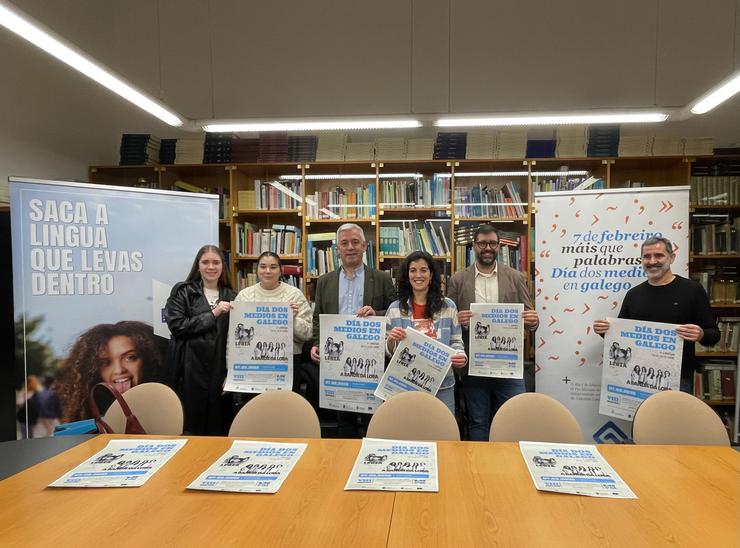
331,147
217,148
189,151
450,145
480,146
420,149
167,151
356,152
245,151
273,147
512,144
302,148
635,145
571,141
701,146
139,149
541,148
603,141
390,148
667,146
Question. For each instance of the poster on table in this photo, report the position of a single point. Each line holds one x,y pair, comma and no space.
259,347
352,361
89,264
573,469
122,463
419,363
587,256
640,359
251,467
393,465
497,340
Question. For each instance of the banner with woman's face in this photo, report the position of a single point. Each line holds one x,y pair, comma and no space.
85,261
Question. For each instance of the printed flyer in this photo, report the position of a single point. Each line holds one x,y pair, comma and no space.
419,363
352,361
640,359
392,465
259,348
497,340
122,463
251,467
573,469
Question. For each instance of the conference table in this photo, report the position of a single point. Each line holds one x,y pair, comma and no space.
687,496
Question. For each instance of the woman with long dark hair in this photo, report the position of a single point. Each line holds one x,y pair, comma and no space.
422,306
124,354
198,317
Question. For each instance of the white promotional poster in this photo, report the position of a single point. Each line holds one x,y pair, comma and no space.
352,361
160,294
497,340
419,363
573,469
392,465
122,463
259,347
251,467
640,359
587,256
87,262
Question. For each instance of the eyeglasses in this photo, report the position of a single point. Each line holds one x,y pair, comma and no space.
484,245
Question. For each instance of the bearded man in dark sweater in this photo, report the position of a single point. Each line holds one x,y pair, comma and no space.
668,298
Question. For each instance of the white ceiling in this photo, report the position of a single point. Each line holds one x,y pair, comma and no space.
236,58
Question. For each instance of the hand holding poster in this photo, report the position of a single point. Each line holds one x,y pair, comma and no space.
573,469
419,363
259,349
392,465
640,359
352,360
122,463
251,467
497,340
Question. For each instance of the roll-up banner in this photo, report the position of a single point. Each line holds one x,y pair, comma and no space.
92,269
587,256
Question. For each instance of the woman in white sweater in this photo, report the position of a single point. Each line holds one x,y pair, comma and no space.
271,288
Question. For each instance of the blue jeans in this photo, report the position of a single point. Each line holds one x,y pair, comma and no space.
479,392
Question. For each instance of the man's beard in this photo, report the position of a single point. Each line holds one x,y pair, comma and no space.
487,259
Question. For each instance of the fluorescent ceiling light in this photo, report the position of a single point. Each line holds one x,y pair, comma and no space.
717,95
312,125
555,120
19,23
349,176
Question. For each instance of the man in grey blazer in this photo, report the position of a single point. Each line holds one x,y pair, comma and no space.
486,281
352,289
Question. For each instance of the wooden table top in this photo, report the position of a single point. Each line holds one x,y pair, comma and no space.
688,496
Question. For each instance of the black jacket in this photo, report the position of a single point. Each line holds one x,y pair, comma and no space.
197,356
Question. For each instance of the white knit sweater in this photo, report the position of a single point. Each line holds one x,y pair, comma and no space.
284,293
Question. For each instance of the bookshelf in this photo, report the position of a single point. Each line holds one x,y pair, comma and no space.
317,197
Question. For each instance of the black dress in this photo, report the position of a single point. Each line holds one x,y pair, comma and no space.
197,357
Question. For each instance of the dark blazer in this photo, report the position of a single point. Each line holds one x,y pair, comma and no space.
512,288
378,293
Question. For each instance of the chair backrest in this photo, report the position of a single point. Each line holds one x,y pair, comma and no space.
535,417
676,418
277,414
155,405
413,416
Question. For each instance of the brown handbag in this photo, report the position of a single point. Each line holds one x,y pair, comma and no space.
133,426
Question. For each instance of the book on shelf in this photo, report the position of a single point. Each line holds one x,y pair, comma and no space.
188,187
716,380
415,193
412,236
715,190
729,334
566,182
720,283
482,200
271,195
342,203
709,238
280,239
